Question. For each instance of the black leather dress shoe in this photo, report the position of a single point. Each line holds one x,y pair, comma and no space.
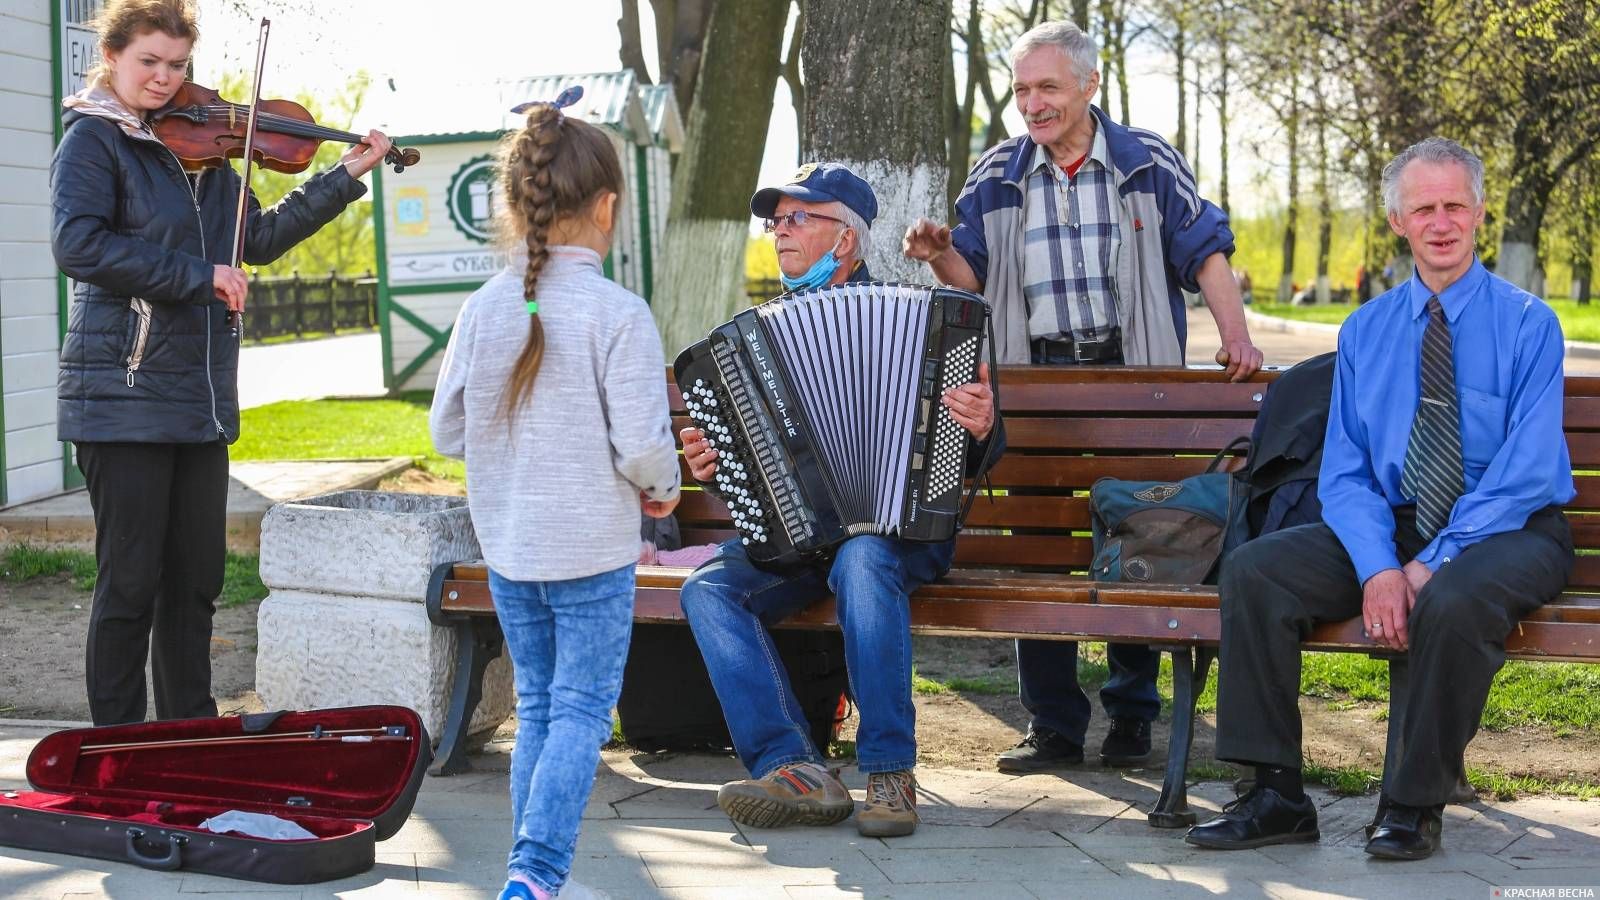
1041,749
1257,819
1407,832
1127,743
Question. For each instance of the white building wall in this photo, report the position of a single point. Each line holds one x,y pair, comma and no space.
29,332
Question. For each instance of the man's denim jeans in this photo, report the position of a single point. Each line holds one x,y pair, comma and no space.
568,641
728,601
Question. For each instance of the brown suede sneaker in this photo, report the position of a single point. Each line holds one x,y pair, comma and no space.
891,809
802,793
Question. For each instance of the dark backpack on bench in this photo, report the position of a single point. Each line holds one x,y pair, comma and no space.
1167,532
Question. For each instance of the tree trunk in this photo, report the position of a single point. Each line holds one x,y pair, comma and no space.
632,52
702,260
1180,56
875,97
1324,206
791,73
960,131
1524,219
1199,106
1292,208
681,27
1080,15
1223,121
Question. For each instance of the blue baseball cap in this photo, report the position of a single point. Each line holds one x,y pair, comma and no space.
820,183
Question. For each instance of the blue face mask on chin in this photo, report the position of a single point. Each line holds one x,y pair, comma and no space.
820,273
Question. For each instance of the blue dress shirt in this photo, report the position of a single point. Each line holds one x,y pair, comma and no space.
1507,346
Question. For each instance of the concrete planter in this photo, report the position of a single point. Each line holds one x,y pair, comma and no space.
344,623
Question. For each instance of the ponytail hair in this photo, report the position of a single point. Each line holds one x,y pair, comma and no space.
556,166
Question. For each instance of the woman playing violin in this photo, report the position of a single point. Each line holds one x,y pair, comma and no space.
148,381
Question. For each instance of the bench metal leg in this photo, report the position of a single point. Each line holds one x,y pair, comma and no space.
1189,670
478,643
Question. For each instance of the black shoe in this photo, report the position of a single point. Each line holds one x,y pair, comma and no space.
1127,744
1407,832
1257,819
1041,749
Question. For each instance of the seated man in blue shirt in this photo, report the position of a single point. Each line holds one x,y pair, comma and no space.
1443,476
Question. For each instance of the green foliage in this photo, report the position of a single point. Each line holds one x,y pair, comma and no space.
1578,323
345,245
241,578
1258,244
343,429
241,581
21,562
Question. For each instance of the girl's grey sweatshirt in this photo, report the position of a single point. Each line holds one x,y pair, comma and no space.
554,494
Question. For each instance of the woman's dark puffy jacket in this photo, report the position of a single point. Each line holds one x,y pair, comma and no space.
148,355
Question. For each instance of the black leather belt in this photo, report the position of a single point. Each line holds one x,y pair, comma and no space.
1106,350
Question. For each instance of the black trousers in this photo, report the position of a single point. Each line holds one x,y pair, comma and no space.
1275,588
159,518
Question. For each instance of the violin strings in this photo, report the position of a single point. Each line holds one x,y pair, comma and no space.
285,124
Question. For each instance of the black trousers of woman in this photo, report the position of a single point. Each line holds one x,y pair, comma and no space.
159,518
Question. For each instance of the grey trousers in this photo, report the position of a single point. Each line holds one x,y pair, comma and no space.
1276,588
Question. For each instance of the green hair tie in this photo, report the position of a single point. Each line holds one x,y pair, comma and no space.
533,307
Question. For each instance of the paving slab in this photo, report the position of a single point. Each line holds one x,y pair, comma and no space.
679,845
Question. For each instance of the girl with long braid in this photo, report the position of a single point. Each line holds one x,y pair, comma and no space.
553,391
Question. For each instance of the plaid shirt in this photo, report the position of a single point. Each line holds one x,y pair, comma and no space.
1072,236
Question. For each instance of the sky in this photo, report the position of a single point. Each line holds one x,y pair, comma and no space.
486,39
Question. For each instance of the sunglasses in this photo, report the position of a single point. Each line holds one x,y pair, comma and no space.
797,218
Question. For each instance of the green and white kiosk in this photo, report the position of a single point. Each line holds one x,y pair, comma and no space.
434,222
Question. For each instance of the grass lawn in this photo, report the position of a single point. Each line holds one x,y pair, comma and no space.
333,429
1564,697
241,578
1578,323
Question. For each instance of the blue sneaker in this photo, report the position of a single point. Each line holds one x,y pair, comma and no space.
516,890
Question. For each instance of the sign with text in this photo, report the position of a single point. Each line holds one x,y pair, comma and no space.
447,265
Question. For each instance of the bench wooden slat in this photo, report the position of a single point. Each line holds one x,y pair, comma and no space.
1062,512
1110,435
1208,398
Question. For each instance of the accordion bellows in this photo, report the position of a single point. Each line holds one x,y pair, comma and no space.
824,409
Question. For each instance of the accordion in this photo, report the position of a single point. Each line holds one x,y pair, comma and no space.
823,407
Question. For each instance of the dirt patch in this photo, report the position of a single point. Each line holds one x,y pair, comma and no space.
43,624
421,481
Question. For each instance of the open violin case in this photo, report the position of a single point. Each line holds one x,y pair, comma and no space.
139,793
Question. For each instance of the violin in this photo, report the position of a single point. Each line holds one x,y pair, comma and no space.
205,130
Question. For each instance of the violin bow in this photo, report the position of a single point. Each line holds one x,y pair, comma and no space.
317,733
236,318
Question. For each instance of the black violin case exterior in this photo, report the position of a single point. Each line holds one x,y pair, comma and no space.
138,793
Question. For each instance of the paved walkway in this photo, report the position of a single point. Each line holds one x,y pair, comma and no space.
347,366
652,829
253,487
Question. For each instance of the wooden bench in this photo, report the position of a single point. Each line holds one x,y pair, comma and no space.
1020,571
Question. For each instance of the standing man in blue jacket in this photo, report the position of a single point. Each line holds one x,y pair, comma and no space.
1083,235
1443,476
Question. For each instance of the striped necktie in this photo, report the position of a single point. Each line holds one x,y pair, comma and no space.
1433,457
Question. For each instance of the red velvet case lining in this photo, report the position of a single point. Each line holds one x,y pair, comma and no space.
330,778
164,815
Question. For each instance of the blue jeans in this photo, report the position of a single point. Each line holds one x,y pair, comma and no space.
1047,672
729,603
568,642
